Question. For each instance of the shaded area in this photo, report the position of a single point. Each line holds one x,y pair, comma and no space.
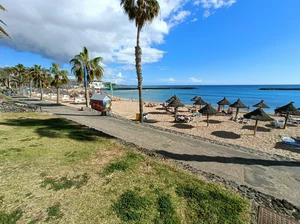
57,128
151,121
84,115
291,148
233,160
226,134
156,112
213,121
261,129
183,126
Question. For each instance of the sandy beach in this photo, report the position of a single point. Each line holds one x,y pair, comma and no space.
220,128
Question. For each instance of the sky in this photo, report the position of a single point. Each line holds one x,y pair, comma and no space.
191,42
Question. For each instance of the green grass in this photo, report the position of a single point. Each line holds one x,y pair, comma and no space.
58,172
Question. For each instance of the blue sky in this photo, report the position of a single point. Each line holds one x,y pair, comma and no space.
229,42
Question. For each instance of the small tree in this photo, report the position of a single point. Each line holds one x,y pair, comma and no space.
60,78
86,69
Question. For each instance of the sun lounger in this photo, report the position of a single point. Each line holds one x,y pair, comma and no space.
290,141
279,123
294,120
246,121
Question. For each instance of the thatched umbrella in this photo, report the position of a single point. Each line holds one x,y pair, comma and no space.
208,110
223,102
288,109
238,104
200,102
195,98
261,104
171,99
175,103
258,115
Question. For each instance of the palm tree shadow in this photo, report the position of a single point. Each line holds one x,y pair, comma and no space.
226,134
57,128
231,160
212,121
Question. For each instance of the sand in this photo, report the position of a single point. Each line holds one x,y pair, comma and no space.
220,128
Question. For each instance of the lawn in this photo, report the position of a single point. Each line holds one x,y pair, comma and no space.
55,171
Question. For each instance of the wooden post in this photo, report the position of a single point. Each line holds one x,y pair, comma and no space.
255,127
207,119
286,118
236,114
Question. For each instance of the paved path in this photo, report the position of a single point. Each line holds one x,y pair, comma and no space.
280,179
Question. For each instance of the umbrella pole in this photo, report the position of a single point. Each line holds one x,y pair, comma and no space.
255,127
175,111
286,118
236,114
207,120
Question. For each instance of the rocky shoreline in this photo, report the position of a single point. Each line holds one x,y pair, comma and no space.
16,107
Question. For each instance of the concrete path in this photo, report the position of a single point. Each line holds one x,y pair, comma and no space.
280,179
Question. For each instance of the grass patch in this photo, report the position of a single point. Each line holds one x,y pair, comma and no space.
212,203
131,207
10,218
54,212
166,210
127,163
61,183
41,171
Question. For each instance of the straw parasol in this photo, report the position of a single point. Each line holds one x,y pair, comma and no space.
171,99
195,98
261,104
258,115
208,110
200,102
223,102
238,104
175,103
288,109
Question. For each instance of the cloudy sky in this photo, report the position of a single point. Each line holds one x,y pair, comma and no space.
191,41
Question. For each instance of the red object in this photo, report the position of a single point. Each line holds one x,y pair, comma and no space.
101,91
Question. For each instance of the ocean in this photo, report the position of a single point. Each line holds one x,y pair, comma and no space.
249,94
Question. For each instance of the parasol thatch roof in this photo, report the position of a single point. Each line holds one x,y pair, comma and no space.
224,101
208,109
200,102
238,104
259,115
288,109
195,98
261,104
176,103
171,99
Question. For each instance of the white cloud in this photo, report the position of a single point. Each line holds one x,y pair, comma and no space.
194,20
168,80
194,80
179,17
209,5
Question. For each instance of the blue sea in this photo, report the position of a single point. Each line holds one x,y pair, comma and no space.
249,94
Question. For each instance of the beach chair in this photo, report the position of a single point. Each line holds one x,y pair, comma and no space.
246,121
293,120
290,141
279,123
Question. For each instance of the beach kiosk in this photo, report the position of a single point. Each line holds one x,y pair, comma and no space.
101,103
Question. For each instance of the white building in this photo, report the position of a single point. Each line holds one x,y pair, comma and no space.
96,85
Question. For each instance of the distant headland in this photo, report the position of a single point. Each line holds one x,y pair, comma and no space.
279,88
152,88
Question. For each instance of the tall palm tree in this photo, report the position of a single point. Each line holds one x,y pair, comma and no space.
20,76
140,11
60,78
2,31
82,61
4,76
38,77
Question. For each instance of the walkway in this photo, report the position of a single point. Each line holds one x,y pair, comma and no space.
280,179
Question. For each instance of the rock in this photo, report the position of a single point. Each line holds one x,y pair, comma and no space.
286,204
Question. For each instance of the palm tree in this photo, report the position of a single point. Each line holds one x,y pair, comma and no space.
38,77
60,78
82,62
4,76
140,11
2,31
20,76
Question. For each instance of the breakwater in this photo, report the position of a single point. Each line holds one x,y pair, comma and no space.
153,88
279,88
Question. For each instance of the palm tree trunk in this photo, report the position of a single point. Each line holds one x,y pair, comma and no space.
57,92
30,86
138,66
86,94
41,89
